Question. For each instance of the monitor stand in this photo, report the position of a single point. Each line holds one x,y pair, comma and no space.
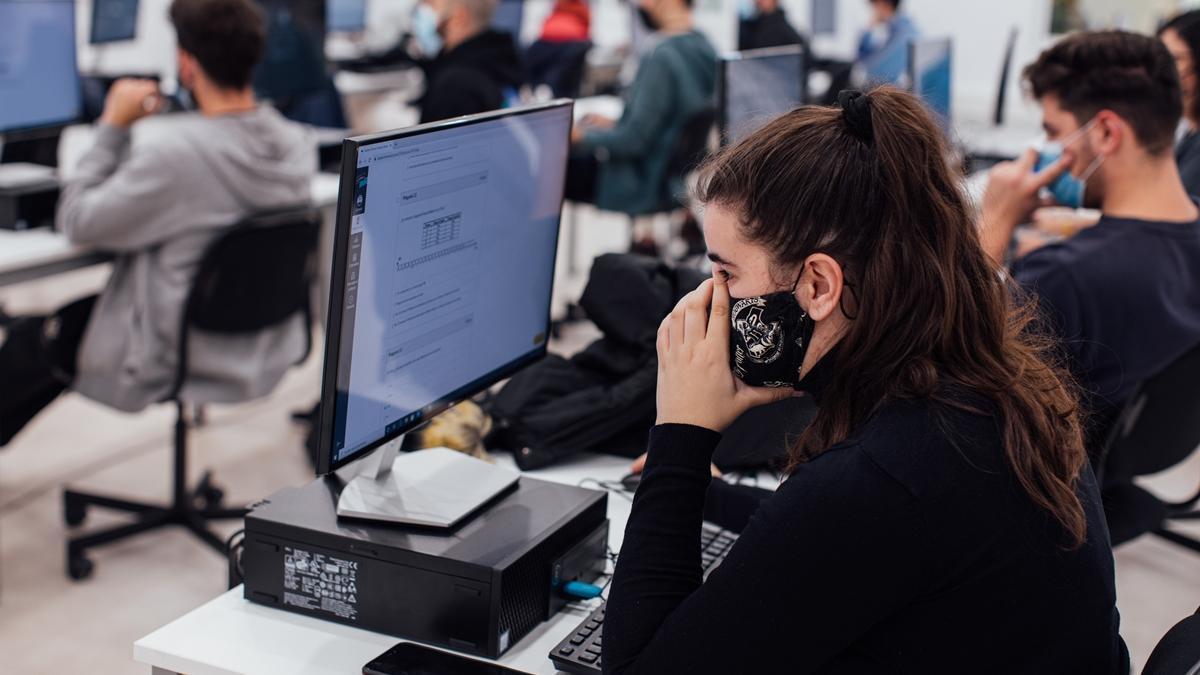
435,487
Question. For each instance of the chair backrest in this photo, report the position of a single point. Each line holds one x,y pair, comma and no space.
691,148
256,275
692,145
1160,425
1178,653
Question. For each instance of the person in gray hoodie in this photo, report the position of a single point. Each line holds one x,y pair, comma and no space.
157,193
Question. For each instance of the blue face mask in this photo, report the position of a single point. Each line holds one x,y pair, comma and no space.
425,30
1068,190
747,10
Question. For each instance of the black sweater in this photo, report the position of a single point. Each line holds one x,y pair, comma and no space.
908,548
472,78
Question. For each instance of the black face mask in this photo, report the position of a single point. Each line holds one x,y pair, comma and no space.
647,20
769,338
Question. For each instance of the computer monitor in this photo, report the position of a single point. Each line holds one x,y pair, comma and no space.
444,257
293,63
346,16
508,18
39,79
824,17
757,86
113,21
930,62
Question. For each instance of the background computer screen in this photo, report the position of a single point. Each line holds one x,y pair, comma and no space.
113,20
39,81
758,86
448,262
346,16
931,64
508,17
293,63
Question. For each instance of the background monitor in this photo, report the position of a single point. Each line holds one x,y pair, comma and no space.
293,63
113,20
346,16
508,18
930,71
824,17
444,258
759,85
39,78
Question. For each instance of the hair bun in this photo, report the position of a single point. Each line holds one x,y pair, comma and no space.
856,110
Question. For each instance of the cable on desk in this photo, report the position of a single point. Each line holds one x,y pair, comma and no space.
608,485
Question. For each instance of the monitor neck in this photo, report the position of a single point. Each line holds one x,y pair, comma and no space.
378,464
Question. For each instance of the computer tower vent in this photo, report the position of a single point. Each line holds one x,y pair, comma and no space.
525,596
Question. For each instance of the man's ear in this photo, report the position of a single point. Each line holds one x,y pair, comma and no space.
1110,133
821,286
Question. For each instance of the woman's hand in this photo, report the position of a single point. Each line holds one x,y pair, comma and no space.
695,384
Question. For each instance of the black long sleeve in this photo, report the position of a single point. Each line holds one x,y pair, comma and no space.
905,548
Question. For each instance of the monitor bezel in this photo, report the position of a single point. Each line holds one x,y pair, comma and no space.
337,287
765,52
93,40
49,128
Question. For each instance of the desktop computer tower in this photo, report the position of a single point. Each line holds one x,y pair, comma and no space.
477,588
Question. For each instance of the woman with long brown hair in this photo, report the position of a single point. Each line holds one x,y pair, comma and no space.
939,514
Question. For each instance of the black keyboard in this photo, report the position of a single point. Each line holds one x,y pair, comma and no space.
579,652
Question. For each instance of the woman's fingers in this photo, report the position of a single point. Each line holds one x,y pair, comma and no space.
718,313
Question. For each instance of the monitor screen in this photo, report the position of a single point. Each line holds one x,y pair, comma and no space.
930,62
758,86
443,268
346,16
824,17
293,63
508,17
114,20
39,81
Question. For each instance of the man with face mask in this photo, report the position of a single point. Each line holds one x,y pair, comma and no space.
474,69
621,165
763,23
157,191
1124,295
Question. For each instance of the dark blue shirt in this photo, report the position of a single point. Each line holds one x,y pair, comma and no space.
1125,298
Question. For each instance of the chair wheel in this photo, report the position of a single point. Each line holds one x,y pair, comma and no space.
211,497
74,511
79,567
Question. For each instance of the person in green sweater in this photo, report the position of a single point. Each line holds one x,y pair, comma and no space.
621,165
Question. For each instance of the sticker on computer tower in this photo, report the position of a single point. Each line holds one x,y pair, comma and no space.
320,583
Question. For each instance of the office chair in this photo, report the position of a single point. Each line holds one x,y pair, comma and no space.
255,276
690,149
1158,429
1178,653
558,65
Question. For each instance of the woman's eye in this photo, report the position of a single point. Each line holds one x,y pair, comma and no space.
724,275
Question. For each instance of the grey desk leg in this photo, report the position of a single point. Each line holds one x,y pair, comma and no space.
155,670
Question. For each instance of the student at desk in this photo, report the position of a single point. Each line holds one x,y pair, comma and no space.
1124,294
763,23
474,69
621,165
1181,37
939,514
883,47
158,200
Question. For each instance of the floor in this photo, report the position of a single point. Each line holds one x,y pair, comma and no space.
49,624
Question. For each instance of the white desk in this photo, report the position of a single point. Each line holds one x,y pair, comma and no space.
231,635
33,254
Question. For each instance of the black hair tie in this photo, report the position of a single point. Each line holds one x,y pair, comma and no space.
856,110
